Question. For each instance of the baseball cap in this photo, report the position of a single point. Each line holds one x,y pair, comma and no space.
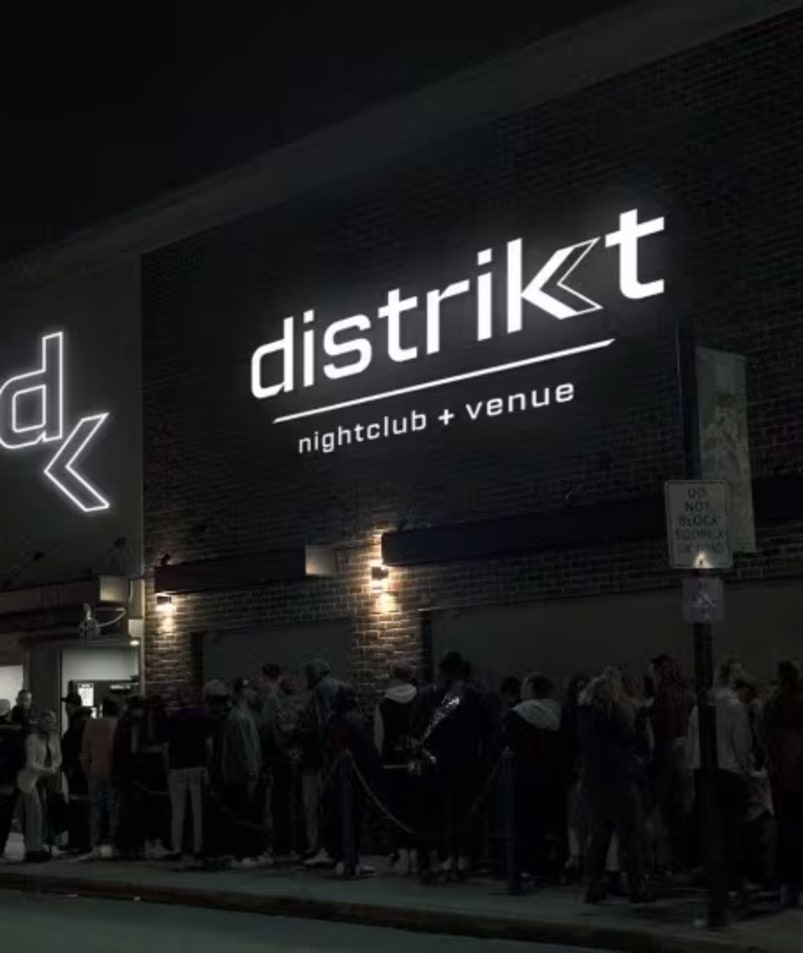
216,689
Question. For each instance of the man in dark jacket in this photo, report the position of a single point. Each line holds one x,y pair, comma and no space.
532,732
393,739
322,688
189,734
453,748
241,763
11,760
783,725
78,813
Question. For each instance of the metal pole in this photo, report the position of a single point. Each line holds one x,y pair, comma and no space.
703,663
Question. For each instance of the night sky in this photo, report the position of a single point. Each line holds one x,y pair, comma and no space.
102,112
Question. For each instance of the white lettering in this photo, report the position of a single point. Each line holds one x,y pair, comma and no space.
434,299
283,345
627,238
393,311
41,391
359,346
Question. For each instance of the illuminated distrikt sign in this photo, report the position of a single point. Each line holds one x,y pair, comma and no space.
32,411
348,351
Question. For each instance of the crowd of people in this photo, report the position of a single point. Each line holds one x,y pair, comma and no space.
601,785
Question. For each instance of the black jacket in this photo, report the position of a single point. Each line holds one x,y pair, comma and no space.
12,752
71,750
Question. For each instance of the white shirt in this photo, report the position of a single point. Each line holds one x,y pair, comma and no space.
734,735
36,748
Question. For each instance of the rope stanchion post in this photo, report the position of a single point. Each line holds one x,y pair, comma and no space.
511,861
349,841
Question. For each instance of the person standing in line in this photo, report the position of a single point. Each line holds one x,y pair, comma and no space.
266,700
97,761
393,739
152,778
217,822
189,735
12,756
454,747
532,732
128,741
78,791
610,748
669,716
287,799
22,712
322,687
576,819
733,772
241,763
36,780
783,729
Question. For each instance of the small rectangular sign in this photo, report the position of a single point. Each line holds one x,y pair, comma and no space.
697,524
703,599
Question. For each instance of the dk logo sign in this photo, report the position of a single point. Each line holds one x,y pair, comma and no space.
32,413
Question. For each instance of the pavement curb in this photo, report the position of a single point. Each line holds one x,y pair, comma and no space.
479,926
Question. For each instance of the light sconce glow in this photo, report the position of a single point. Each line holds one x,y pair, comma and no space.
164,602
134,643
379,578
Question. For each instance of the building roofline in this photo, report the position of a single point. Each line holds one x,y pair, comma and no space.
562,63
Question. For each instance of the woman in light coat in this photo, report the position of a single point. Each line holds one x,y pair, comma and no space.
36,778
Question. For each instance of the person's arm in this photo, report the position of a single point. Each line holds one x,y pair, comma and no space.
55,754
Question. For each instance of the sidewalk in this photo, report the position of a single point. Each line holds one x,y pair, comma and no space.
476,909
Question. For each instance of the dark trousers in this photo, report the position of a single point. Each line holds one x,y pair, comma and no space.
616,809
239,801
8,803
78,824
288,811
789,819
669,791
731,810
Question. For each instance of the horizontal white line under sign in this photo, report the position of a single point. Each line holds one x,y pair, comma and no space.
453,379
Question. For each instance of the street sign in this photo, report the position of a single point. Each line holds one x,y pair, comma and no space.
697,524
703,599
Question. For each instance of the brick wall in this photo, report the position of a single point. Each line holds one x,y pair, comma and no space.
710,138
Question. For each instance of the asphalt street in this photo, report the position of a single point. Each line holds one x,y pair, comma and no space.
78,925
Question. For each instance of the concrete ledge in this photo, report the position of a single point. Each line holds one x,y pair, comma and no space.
635,938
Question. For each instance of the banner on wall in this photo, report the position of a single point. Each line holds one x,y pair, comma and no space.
724,437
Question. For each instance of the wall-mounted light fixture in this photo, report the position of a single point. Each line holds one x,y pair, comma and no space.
164,602
379,578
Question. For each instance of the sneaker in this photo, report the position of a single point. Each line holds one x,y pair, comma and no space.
247,863
321,859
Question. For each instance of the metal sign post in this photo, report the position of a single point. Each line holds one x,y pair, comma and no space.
702,543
